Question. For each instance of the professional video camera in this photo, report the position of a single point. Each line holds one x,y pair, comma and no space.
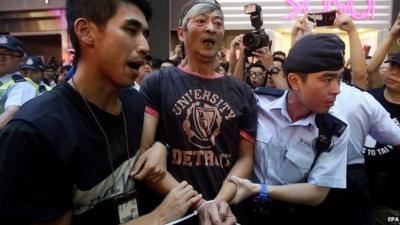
257,38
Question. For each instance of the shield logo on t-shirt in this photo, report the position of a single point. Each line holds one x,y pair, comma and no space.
202,124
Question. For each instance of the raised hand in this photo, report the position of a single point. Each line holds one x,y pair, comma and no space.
344,22
395,30
264,54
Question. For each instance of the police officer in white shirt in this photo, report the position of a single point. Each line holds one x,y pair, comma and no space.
301,149
365,116
33,67
14,89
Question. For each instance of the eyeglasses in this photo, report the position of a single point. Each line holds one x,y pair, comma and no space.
9,55
384,69
257,74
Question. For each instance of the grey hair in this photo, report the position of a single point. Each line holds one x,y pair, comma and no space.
198,9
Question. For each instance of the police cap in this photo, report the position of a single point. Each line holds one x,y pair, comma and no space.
315,53
34,63
12,43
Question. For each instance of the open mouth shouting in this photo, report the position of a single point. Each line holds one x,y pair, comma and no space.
209,42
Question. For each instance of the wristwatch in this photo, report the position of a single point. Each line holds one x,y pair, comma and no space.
274,70
263,194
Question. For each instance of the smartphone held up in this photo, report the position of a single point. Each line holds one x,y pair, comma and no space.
322,19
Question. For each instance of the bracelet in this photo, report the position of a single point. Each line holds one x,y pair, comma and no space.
166,145
263,194
203,204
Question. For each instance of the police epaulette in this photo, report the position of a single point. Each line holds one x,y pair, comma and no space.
18,78
330,122
275,92
42,88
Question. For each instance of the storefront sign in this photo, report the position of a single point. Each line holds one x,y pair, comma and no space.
348,7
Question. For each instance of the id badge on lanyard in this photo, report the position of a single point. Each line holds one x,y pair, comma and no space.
125,206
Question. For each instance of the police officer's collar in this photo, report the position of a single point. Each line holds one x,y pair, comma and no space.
6,77
281,104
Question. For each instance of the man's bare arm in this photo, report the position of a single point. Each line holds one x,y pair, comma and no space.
357,55
152,162
7,115
300,193
242,168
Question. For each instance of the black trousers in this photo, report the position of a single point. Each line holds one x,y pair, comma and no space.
279,213
351,205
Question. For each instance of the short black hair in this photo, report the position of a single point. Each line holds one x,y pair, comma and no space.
169,61
259,65
279,53
155,63
49,66
278,59
346,76
98,12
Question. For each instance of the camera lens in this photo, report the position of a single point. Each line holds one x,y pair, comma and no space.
250,40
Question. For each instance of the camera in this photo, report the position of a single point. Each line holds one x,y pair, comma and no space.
322,19
257,38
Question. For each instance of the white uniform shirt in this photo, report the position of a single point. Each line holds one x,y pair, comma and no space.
17,94
284,149
366,116
136,86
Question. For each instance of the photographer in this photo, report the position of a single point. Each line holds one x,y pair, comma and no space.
256,45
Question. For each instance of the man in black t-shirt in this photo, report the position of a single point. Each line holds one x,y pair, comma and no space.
208,119
383,161
65,157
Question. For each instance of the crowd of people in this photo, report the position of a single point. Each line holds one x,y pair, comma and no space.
258,137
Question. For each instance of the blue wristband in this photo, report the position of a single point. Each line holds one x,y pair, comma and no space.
263,194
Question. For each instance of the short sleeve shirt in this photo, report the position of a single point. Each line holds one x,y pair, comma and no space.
366,116
285,152
203,119
54,158
383,161
18,93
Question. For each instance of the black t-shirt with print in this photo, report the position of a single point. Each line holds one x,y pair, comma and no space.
53,158
203,119
383,168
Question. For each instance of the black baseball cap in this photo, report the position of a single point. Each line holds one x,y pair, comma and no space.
12,43
315,53
395,59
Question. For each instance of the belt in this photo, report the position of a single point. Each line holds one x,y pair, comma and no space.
355,166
